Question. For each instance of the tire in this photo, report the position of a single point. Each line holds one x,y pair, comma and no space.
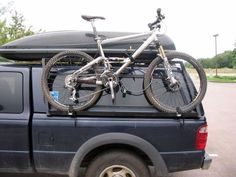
54,87
186,94
117,163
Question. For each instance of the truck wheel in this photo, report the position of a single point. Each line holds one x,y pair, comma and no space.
117,164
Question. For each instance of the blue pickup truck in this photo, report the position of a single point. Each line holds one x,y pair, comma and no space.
123,139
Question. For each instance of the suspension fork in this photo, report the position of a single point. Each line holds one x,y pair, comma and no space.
167,66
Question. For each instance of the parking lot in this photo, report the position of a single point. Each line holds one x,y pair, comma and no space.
220,109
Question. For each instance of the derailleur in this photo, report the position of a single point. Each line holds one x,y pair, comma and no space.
71,84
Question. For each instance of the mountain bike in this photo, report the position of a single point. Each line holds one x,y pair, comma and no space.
73,80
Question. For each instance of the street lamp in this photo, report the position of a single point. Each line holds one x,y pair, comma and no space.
215,36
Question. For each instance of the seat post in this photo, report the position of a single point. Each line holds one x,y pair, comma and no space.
97,38
94,29
92,20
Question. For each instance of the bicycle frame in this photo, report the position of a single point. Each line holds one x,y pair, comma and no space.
128,60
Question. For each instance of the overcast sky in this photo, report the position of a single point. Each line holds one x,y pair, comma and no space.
190,24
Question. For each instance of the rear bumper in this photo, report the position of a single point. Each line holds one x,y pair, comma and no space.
206,162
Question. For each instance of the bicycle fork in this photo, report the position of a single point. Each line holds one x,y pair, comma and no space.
167,67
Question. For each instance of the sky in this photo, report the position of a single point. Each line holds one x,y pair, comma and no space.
190,24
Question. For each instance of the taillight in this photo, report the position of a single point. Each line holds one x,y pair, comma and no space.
201,137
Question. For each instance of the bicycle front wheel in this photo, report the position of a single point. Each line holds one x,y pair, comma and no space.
56,78
185,94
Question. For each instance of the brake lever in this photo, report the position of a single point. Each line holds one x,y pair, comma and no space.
162,17
150,26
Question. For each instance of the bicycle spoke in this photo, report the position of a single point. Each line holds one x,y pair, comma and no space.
72,91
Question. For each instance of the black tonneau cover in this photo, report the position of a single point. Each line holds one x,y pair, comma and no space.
45,45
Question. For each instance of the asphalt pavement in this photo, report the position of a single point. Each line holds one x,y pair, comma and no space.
220,109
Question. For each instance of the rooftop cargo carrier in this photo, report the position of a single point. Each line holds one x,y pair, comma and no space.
45,45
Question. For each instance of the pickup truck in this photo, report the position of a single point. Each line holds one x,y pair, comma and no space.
124,139
36,140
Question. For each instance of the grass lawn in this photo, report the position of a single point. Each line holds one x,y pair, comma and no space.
225,79
225,75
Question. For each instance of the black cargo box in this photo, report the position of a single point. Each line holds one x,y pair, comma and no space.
45,45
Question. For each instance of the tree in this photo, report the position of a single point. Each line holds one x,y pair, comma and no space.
17,29
223,60
13,28
234,57
3,34
3,26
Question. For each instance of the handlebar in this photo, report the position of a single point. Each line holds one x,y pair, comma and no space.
156,24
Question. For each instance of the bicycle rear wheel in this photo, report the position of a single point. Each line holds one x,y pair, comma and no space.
56,76
181,97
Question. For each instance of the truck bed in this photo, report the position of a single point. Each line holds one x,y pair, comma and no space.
132,104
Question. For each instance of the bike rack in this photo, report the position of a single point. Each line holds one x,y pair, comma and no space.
141,108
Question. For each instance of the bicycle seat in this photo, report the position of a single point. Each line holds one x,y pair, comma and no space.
89,18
